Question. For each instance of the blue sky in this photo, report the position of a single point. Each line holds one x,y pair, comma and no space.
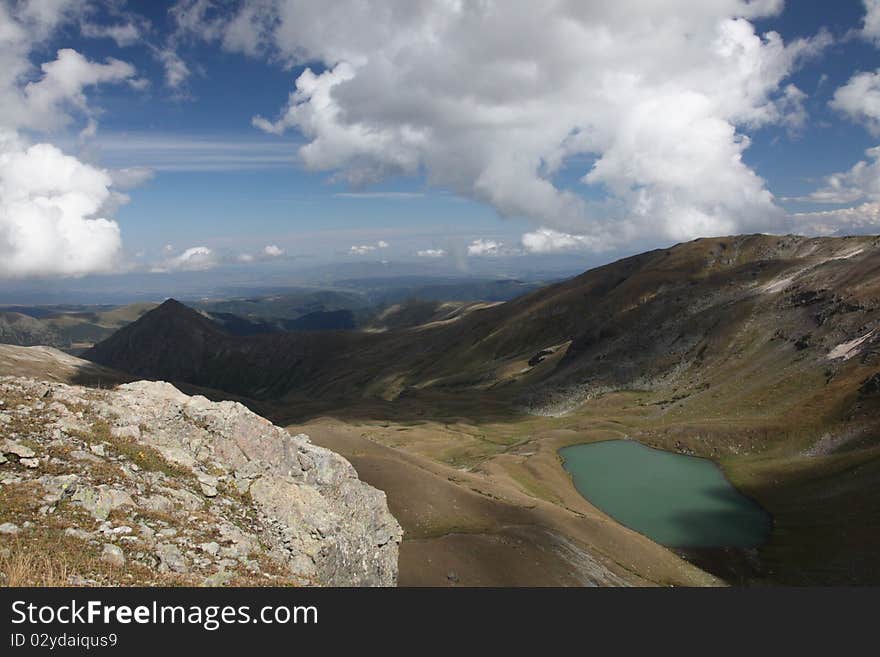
455,149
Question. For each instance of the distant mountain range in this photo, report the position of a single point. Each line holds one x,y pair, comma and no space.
700,314
359,303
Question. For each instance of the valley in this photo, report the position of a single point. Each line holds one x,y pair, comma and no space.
758,352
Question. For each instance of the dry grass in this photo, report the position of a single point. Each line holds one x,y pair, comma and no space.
21,566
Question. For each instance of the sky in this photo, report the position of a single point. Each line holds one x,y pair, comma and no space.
151,138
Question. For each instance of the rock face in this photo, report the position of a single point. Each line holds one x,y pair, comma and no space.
185,487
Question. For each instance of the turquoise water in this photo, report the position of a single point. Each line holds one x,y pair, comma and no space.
675,500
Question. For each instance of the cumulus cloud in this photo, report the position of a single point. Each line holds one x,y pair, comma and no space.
491,100
547,240
864,218
861,182
364,249
269,252
431,253
43,104
196,258
483,247
859,99
47,205
54,209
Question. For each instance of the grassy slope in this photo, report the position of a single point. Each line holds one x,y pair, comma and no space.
716,347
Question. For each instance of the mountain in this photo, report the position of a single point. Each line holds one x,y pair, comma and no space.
759,352
72,328
142,348
24,330
322,320
286,305
388,290
697,312
418,312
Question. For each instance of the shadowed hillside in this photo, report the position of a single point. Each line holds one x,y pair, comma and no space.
701,311
760,352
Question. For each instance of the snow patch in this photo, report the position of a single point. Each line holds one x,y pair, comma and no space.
847,350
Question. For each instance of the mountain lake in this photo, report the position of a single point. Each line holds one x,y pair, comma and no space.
673,499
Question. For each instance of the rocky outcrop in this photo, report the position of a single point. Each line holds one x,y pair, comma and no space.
158,483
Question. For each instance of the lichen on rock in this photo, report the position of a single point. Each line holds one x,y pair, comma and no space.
150,478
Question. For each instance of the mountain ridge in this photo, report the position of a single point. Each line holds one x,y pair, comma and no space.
760,352
638,317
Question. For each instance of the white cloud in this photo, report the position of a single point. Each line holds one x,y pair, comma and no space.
364,249
431,253
196,258
483,247
864,218
547,240
871,28
198,18
48,203
176,70
490,100
124,34
268,252
54,209
39,18
43,104
859,99
131,177
861,182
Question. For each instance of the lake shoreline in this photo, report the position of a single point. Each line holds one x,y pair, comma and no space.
709,522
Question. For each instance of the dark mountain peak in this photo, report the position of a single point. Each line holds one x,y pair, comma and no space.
170,304
166,343
171,310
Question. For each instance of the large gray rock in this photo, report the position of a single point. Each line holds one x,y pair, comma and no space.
11,447
318,517
196,491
